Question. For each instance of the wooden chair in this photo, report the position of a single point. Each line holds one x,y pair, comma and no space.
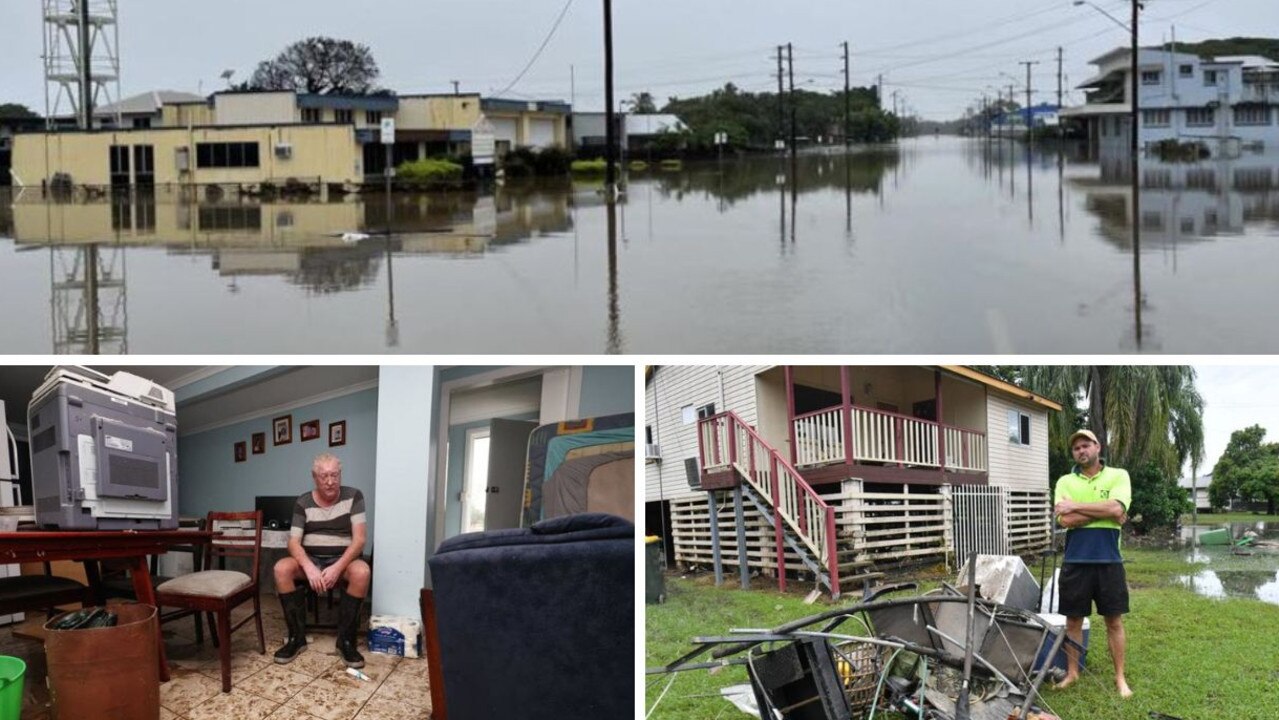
218,591
26,593
115,581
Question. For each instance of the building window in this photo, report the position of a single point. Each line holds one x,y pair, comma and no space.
141,123
373,117
688,414
1252,115
705,411
648,434
226,155
213,217
1018,428
1200,117
344,117
1210,78
1151,77
1156,118
1186,71
311,115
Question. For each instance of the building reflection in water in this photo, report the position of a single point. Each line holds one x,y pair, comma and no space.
324,247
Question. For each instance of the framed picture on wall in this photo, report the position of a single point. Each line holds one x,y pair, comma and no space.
337,433
259,443
282,430
241,451
309,430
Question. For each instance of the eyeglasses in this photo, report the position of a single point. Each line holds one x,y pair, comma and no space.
335,475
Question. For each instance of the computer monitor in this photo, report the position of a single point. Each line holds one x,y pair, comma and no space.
277,510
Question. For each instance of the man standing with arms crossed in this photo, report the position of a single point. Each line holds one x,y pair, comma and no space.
1092,502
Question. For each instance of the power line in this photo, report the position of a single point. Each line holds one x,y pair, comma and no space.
540,48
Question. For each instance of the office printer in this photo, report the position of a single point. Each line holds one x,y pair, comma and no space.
103,452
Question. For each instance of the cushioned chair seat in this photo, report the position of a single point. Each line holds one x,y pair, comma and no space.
208,583
29,587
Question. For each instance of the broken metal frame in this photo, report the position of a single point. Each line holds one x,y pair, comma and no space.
724,648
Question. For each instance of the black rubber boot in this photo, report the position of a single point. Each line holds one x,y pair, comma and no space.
294,605
348,622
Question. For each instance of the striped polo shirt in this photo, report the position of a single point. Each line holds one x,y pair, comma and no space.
327,530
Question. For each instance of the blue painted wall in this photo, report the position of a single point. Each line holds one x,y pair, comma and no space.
210,479
607,390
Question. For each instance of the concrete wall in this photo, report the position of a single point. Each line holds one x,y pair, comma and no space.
328,152
459,112
255,108
210,479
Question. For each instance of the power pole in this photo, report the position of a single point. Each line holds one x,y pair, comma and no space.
86,66
1134,149
846,99
1059,79
610,131
1030,113
790,62
781,96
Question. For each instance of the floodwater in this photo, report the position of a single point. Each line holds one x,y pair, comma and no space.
939,245
1249,572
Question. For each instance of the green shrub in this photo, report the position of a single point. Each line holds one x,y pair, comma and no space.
589,167
673,165
638,165
430,170
552,161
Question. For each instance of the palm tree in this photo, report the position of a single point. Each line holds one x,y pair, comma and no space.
1140,413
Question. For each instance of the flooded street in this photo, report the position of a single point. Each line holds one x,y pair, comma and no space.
940,244
1246,572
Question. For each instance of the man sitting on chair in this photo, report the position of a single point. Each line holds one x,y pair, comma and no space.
325,543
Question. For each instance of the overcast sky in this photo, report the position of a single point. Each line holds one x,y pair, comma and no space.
1236,397
939,55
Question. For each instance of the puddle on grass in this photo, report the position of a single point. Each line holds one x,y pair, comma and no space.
1248,572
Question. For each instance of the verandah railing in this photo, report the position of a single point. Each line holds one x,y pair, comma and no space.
887,437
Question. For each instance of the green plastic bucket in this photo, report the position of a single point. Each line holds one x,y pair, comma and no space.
12,671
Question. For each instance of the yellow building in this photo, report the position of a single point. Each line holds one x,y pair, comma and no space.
247,155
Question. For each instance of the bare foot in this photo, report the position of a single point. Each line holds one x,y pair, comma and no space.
1124,690
1067,681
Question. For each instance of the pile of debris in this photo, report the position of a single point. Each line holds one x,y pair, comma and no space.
977,652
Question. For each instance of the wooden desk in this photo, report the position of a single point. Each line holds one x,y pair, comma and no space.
133,545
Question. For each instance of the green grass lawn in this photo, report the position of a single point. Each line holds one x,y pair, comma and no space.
1189,657
1234,517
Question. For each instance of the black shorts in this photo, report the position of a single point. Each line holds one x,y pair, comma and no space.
1082,584
323,561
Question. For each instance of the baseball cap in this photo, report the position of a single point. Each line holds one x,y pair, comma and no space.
1081,433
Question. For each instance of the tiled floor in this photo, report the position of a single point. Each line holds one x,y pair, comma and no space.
315,686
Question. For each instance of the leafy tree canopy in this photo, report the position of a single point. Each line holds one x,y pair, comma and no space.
320,65
1248,470
1265,47
16,111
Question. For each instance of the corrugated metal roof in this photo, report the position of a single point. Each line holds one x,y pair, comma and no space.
148,103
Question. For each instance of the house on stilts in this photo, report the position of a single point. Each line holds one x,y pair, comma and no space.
843,471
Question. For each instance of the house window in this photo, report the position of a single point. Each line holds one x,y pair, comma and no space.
373,117
688,414
234,217
476,481
226,155
1210,78
1018,428
1186,71
1200,117
705,411
311,115
1151,77
141,123
1252,115
648,434
344,117
1156,118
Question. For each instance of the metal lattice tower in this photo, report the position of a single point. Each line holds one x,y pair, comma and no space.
89,304
81,57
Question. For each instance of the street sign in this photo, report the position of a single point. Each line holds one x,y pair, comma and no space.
483,142
388,131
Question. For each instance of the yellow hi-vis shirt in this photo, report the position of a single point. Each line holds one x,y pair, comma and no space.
1098,541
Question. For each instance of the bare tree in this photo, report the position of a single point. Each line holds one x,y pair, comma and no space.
321,65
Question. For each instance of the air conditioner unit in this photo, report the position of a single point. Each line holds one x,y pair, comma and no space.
283,151
652,452
693,473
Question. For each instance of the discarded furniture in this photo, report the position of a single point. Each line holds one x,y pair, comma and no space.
86,546
537,623
218,591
